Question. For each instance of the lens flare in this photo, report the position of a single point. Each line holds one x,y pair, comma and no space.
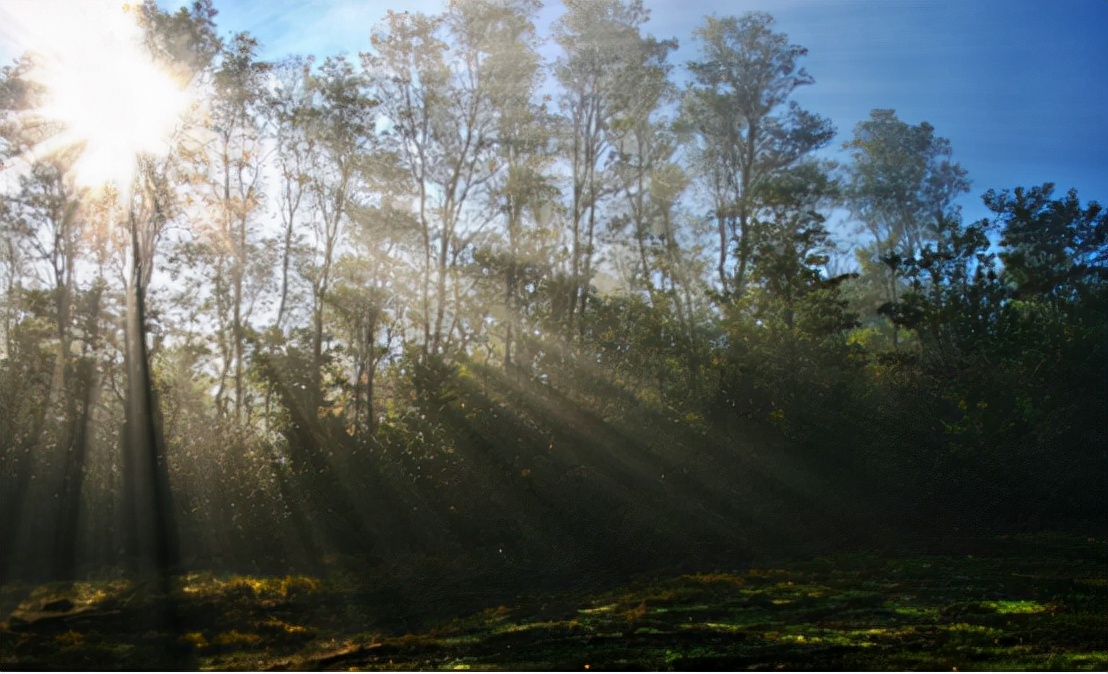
103,84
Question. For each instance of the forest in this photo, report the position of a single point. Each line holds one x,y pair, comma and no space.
404,335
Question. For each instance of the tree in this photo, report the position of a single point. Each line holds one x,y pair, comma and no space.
520,192
745,128
605,59
1054,250
643,146
46,222
228,247
290,109
89,365
150,526
789,263
901,186
436,97
373,284
342,123
185,41
47,236
953,299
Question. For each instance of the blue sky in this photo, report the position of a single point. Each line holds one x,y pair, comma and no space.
1020,87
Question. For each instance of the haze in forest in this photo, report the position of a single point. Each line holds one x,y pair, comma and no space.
525,297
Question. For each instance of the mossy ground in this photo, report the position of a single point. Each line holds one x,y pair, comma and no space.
1031,602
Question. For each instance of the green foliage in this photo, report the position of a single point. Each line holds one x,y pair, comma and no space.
1054,250
954,296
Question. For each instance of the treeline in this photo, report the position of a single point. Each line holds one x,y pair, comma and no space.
449,299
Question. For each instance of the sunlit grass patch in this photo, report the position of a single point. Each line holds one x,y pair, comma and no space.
80,594
791,637
463,640
1015,606
1096,660
869,635
236,638
267,587
914,611
194,639
514,628
264,588
974,629
680,608
768,574
717,578
788,591
488,619
596,610
675,656
91,593
725,627
286,628
70,639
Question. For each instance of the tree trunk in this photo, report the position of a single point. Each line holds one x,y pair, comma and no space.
151,526
66,534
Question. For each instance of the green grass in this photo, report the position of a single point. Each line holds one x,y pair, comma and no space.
1025,603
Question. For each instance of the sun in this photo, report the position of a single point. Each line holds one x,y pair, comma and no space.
102,83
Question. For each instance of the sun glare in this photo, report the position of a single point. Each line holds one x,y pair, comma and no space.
103,85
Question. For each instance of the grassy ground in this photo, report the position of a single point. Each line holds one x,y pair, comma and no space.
1017,603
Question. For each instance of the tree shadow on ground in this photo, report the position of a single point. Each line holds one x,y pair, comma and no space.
1028,602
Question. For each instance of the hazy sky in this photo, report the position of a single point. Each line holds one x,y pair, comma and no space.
1020,87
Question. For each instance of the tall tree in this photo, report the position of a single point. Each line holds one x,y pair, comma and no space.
503,33
342,123
900,185
229,247
290,110
47,225
46,221
100,245
435,96
605,57
746,129
150,525
186,42
642,146
25,365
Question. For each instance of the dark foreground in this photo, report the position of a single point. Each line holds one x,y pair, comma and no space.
1016,603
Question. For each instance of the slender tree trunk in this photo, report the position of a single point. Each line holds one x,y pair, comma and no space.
317,345
370,415
152,535
66,535
237,331
587,271
509,309
425,276
292,205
